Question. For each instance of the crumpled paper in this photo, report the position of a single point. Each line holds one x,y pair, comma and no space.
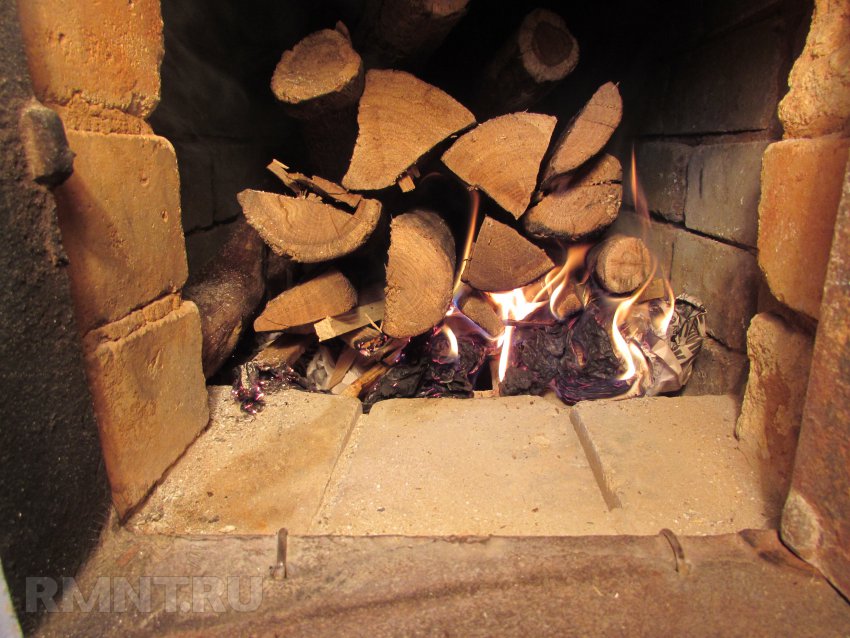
672,355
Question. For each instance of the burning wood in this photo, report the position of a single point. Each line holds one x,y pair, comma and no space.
504,306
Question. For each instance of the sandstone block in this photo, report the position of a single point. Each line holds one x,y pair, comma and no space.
291,448
801,187
671,462
663,172
769,425
507,466
717,370
813,521
120,219
658,236
106,52
724,278
710,91
723,191
149,393
818,102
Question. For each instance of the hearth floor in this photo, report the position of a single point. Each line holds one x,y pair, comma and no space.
518,466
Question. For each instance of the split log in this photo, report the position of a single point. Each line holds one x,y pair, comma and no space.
502,259
621,263
343,364
590,204
586,134
400,118
502,157
602,169
286,349
420,274
540,54
567,302
320,80
301,185
482,313
328,294
366,380
369,310
227,292
307,229
402,34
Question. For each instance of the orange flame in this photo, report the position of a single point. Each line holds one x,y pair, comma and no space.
452,354
512,305
557,278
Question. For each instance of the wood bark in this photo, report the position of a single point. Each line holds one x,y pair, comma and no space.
621,263
482,313
502,259
541,53
402,34
227,292
400,118
307,229
502,157
586,134
327,295
587,202
420,274
320,80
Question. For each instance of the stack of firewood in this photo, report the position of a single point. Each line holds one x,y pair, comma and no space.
542,190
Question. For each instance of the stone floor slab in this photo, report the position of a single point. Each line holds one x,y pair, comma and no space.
253,474
510,465
672,463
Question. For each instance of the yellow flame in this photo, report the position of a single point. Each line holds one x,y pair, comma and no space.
452,339
474,201
629,353
512,305
559,277
668,311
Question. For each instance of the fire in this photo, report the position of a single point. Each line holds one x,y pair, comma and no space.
630,317
559,277
628,352
515,306
451,338
474,201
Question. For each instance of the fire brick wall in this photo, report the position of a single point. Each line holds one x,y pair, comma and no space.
743,218
98,66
